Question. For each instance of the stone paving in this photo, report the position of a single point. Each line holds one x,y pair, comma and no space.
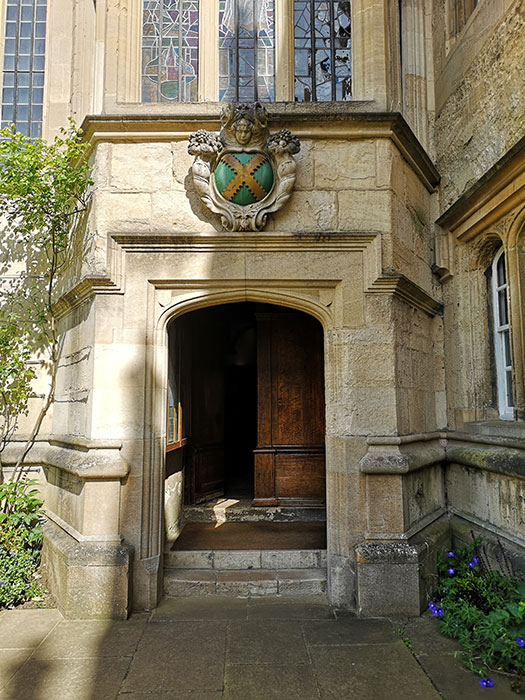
234,649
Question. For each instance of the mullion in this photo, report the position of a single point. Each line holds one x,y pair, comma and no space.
181,30
255,51
237,49
313,50
31,71
332,50
159,66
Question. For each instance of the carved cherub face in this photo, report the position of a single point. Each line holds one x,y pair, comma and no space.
243,130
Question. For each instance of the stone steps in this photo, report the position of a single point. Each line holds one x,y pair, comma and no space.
245,572
224,510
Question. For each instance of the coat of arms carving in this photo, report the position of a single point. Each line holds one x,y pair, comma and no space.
243,173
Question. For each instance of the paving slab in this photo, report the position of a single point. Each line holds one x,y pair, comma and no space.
348,630
370,672
201,608
178,656
25,629
10,662
173,695
290,608
269,682
266,641
59,679
77,639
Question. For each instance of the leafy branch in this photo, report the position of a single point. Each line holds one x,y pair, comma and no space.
44,191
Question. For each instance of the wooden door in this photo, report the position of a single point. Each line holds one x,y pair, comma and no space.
290,452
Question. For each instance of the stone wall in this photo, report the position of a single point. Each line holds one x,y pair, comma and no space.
480,93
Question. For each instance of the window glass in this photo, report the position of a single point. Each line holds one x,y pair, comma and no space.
246,50
170,50
24,56
323,50
502,339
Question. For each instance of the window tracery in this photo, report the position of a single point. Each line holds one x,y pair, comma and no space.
170,50
502,340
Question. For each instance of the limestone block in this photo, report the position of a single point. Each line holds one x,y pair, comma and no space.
305,166
190,560
388,579
141,167
182,162
171,211
384,497
119,365
122,212
308,211
423,493
364,210
100,508
345,165
362,411
290,559
237,560
88,581
342,581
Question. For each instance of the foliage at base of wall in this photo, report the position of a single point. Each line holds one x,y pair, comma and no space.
485,610
20,542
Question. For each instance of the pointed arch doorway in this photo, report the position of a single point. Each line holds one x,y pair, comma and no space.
245,415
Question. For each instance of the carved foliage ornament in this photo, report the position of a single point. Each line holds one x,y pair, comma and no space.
243,173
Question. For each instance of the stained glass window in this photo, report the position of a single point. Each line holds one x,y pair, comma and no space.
170,50
323,50
246,50
23,70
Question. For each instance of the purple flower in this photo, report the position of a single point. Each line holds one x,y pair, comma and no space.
471,564
486,682
475,560
431,605
450,553
451,570
437,612
520,641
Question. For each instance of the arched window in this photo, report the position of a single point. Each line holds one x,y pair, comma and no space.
502,345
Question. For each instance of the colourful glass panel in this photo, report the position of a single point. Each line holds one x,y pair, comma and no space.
170,50
23,69
246,50
323,50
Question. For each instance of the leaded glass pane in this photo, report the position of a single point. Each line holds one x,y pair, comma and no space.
246,50
323,50
170,50
24,56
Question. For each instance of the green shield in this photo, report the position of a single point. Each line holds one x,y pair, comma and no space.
243,178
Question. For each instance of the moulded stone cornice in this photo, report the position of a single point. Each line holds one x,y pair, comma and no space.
83,458
408,291
499,191
321,121
404,454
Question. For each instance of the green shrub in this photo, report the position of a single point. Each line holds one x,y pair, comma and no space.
485,611
20,542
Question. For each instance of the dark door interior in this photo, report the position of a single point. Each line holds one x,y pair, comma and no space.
251,401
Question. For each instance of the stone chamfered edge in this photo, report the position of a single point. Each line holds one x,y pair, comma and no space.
322,121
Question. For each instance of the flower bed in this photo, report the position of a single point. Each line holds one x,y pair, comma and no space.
485,611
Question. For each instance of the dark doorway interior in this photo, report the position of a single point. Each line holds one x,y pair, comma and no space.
247,404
